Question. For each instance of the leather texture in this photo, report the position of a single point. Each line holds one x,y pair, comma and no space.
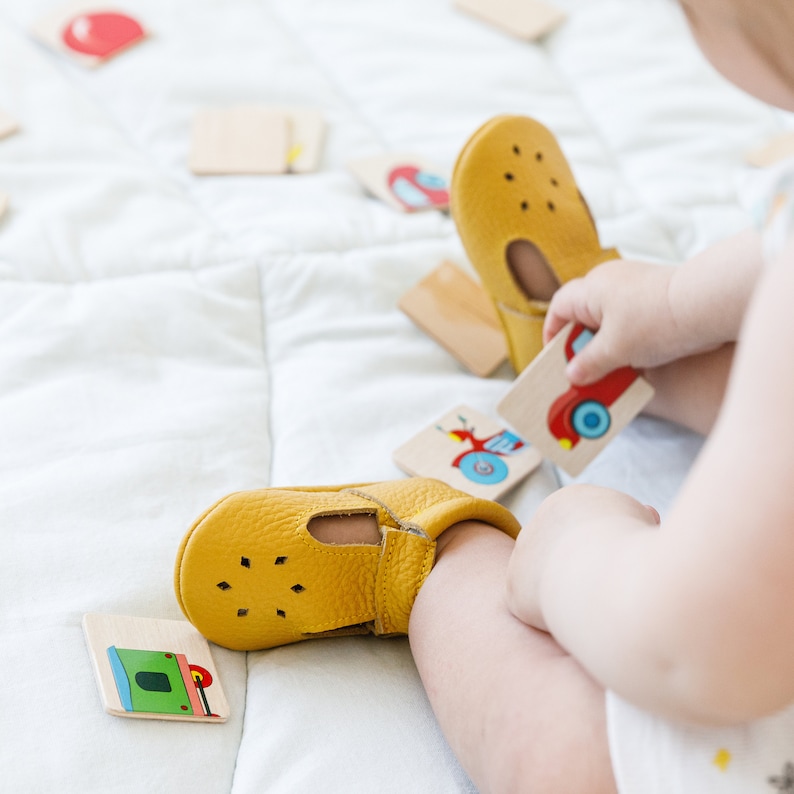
512,182
249,575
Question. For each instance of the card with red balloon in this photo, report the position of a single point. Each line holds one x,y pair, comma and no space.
89,32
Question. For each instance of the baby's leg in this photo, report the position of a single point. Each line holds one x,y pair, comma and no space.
518,711
690,391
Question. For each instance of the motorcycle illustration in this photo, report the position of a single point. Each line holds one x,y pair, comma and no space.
483,463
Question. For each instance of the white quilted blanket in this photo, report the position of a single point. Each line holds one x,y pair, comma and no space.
166,339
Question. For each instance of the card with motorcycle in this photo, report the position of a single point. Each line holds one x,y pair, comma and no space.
471,452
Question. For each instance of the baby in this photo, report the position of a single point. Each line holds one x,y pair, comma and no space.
517,642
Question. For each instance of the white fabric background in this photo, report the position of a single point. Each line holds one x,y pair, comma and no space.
166,339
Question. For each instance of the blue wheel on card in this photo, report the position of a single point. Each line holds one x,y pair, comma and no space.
591,419
484,468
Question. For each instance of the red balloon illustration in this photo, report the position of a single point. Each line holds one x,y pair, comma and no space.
102,33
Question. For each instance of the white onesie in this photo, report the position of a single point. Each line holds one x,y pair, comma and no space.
651,755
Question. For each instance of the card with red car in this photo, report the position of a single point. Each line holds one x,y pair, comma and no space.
569,424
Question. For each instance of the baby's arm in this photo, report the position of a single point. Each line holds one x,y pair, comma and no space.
693,620
648,315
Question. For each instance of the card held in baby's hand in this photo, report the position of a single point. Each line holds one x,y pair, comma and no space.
569,424
469,451
458,313
154,669
526,19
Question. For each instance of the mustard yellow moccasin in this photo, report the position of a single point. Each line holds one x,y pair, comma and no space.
513,196
249,574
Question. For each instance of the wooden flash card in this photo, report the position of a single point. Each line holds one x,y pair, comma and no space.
403,181
470,452
154,669
569,424
526,19
458,313
256,139
246,139
8,125
307,135
89,32
779,148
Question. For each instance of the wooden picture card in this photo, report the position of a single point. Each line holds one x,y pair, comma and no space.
307,136
256,139
154,669
569,424
8,125
404,181
89,32
526,19
773,151
458,313
470,452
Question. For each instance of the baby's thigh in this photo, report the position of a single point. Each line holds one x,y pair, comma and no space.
562,735
518,712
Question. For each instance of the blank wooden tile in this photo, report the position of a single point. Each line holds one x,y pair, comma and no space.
307,137
458,313
8,125
773,151
243,139
526,19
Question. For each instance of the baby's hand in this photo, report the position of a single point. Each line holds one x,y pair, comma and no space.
557,537
627,303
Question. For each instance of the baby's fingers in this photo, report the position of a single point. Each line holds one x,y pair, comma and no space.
568,304
591,363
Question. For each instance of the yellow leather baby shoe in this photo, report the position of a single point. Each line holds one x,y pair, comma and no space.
250,575
517,208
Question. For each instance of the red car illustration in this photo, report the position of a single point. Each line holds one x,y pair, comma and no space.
416,189
582,412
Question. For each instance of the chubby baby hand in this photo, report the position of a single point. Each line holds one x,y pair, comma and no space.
556,539
628,304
